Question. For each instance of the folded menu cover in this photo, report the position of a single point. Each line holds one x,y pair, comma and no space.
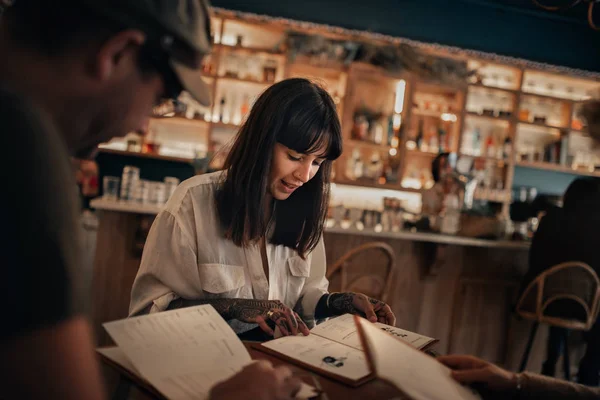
417,375
181,354
334,349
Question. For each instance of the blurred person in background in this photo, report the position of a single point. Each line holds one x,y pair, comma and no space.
497,383
564,235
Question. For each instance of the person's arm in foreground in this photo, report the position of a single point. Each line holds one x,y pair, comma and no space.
55,362
258,381
471,370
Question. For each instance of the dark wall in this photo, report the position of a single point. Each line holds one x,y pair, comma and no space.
508,27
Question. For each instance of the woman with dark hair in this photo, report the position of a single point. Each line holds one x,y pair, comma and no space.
248,240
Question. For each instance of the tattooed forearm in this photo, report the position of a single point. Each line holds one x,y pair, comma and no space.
342,303
241,309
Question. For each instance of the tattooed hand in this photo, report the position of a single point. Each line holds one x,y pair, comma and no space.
262,312
357,303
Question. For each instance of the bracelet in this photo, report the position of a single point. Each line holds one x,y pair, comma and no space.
329,297
519,386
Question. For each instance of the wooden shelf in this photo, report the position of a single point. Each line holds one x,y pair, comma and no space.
225,126
546,166
256,50
488,117
179,120
234,79
482,86
503,196
433,114
371,184
542,125
420,153
545,96
144,155
372,145
498,160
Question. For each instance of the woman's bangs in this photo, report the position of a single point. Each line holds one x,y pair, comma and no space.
313,135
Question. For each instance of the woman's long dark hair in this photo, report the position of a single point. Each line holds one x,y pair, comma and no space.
300,115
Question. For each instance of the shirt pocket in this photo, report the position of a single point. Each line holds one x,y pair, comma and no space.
298,271
221,279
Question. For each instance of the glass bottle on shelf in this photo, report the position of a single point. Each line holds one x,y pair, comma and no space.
490,148
354,166
245,106
442,138
222,108
390,130
376,132
434,143
525,112
539,109
420,135
476,142
505,107
490,104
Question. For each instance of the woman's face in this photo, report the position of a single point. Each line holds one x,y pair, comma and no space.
290,170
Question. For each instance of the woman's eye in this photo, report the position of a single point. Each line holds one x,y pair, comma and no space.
294,158
317,163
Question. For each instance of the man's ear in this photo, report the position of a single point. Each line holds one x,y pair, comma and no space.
119,49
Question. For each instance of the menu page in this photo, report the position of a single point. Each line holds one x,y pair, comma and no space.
116,354
413,372
323,354
343,330
177,351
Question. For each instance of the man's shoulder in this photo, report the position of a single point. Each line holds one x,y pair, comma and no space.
24,125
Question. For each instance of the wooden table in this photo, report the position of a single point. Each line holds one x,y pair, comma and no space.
331,390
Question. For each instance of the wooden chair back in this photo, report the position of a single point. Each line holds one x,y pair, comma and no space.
574,281
373,285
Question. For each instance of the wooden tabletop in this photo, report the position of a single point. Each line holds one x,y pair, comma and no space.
330,389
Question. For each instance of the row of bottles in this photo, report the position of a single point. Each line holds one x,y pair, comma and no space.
489,103
232,108
542,111
381,170
376,130
249,67
434,139
492,144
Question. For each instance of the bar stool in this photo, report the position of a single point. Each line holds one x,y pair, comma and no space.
571,285
372,285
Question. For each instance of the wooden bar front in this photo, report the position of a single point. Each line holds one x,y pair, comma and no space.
461,294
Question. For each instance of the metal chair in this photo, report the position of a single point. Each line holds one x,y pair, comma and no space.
566,296
377,286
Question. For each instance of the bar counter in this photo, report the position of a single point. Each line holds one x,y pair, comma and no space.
459,290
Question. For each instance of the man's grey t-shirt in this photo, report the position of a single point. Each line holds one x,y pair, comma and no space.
40,249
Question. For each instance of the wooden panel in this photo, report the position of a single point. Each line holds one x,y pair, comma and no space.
115,267
467,303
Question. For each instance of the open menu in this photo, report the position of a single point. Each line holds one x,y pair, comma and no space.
418,375
181,353
334,349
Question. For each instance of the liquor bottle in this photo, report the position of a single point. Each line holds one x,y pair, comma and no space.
245,107
222,108
490,148
434,144
390,130
507,147
476,142
420,135
442,137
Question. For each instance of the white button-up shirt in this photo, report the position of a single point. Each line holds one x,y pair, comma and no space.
186,255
